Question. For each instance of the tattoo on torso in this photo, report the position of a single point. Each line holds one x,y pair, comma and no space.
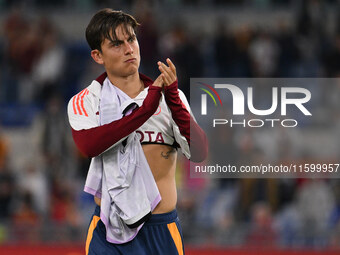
167,154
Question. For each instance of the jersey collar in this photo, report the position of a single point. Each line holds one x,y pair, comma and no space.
97,84
147,80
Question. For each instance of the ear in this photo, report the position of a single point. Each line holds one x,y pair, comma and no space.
97,56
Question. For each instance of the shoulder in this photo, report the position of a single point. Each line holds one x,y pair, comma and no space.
181,94
183,98
76,103
81,101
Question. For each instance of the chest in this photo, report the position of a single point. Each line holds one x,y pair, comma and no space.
159,127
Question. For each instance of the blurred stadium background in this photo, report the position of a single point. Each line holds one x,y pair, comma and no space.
44,60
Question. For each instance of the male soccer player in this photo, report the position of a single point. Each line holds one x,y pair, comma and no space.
106,116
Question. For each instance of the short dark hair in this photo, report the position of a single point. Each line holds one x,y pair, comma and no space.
103,26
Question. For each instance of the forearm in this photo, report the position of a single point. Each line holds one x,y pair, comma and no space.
188,127
94,141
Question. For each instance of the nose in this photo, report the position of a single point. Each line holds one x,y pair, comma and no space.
128,49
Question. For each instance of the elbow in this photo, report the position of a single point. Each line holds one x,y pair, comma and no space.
198,143
88,154
85,151
200,156
200,152
84,145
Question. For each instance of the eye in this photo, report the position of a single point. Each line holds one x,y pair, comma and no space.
115,43
132,39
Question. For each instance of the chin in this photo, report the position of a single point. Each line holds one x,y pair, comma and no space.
132,69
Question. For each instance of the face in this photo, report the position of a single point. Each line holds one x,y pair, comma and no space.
121,57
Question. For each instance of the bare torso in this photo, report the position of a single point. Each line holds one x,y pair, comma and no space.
162,161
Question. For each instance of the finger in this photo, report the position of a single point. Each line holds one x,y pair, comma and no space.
166,70
165,74
171,65
166,78
165,67
159,81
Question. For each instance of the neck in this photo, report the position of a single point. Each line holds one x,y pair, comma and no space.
130,85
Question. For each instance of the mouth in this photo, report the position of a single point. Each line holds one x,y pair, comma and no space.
130,60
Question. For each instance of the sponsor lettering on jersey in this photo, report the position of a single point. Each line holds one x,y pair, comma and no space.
150,136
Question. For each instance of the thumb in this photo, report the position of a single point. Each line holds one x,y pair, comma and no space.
158,82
